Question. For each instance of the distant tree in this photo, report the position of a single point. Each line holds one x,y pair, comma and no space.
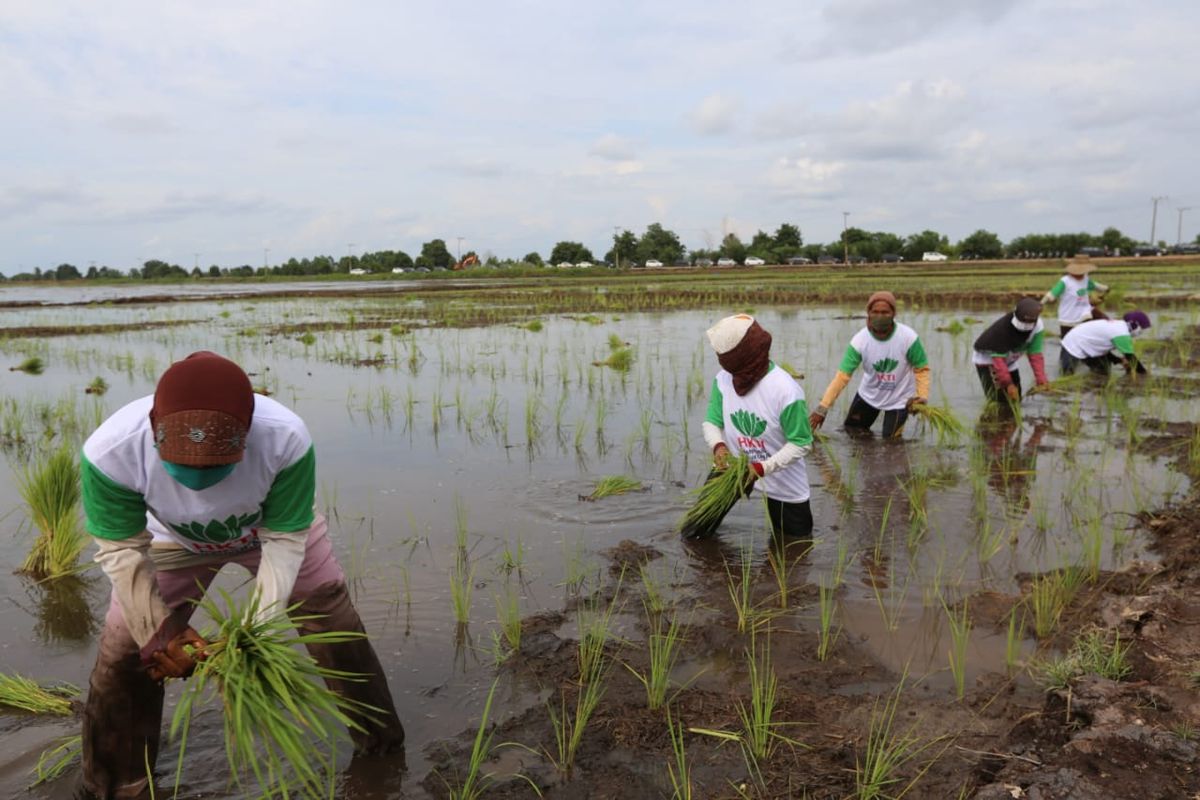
812,251
66,272
92,273
788,241
661,244
160,269
570,253
535,259
196,272
763,246
1116,242
711,255
214,271
888,243
732,247
624,250
435,254
981,244
927,241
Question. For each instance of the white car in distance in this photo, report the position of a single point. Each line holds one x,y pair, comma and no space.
653,263
753,261
934,256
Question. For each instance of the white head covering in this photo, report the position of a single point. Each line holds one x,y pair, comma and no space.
729,332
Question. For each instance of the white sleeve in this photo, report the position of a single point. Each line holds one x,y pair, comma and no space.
713,435
282,555
127,564
787,455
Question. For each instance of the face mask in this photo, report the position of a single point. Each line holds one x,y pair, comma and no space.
880,323
198,478
1135,332
1023,326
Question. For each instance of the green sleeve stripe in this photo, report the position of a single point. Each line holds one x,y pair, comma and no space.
1059,288
289,504
1091,287
850,360
716,407
1034,345
794,421
112,511
1123,344
916,354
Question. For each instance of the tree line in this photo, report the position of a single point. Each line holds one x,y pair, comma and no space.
656,243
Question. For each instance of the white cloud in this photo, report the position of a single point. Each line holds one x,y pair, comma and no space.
613,147
716,114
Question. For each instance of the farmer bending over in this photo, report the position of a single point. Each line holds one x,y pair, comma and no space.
997,350
1100,343
202,474
758,410
895,372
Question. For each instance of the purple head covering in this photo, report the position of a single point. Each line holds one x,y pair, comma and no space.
1136,320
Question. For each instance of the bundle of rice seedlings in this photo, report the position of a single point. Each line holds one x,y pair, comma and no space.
943,422
278,711
613,484
51,490
1062,385
620,360
718,495
27,695
790,370
54,761
32,366
98,386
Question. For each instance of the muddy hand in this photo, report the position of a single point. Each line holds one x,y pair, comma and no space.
721,456
179,658
815,420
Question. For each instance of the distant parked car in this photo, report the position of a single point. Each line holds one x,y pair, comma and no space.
564,265
753,261
704,262
933,256
1146,250
858,259
891,258
1093,252
583,264
653,263
421,269
726,262
828,260
358,271
799,260
1186,249
398,270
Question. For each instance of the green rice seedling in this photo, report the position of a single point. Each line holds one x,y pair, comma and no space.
1097,655
954,328
840,562
888,749
307,339
512,559
462,579
278,710
678,768
960,633
54,761
595,628
653,583
619,360
1093,547
941,420
1049,596
663,646
759,728
569,727
50,488
718,494
1012,642
615,342
613,484
1055,674
98,387
534,326
827,634
30,366
741,588
508,613
19,692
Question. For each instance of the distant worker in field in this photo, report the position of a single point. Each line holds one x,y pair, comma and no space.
200,474
1074,293
998,349
896,373
758,410
1100,343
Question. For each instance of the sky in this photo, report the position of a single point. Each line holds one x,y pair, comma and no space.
230,133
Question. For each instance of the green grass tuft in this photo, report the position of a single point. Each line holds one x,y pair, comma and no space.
614,484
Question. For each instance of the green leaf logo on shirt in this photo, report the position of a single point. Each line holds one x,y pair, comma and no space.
748,423
885,365
216,531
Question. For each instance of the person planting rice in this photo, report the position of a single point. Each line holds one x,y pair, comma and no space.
997,350
175,485
1075,302
896,374
757,419
1100,343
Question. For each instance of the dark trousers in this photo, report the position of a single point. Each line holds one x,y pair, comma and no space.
1102,365
1066,361
991,389
791,520
862,416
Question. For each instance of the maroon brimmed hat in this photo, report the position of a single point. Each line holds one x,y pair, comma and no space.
202,411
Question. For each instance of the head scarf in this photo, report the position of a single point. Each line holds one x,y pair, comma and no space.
1136,320
1001,336
886,297
743,349
202,410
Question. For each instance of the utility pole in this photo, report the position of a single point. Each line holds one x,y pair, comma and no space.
195,261
616,245
266,253
459,259
1179,230
845,238
1154,201
349,256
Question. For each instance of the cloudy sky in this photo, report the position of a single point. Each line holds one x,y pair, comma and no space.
166,130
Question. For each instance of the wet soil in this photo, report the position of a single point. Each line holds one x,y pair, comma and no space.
1007,738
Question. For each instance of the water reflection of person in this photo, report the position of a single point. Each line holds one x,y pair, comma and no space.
896,373
1010,458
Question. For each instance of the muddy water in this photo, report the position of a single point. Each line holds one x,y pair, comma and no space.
502,429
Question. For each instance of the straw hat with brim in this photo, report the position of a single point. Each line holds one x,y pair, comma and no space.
1079,266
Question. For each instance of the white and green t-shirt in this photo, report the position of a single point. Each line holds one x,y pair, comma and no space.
888,382
1073,303
1098,337
1034,344
126,490
760,422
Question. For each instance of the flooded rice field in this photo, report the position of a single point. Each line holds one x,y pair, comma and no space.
430,438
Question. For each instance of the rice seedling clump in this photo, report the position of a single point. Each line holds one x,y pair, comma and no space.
613,484
19,692
718,495
51,490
